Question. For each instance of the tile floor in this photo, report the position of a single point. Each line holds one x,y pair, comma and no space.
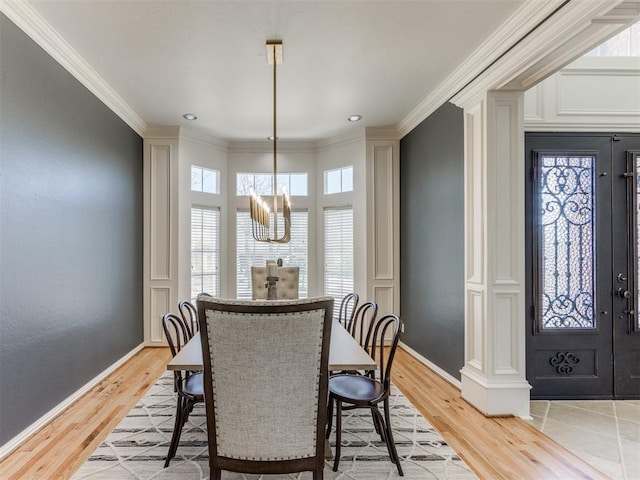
604,433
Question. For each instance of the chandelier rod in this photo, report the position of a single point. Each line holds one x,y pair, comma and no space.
275,147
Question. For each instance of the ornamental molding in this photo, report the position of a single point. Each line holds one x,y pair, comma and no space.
32,24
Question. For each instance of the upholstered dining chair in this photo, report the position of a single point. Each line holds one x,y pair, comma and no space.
349,391
265,383
188,385
288,283
348,309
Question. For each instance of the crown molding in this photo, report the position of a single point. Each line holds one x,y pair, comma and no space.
265,146
352,136
382,133
204,138
519,24
550,47
32,24
161,132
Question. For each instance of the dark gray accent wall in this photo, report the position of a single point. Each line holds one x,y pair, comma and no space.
70,234
432,238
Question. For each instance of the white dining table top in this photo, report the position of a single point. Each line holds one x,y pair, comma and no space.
344,353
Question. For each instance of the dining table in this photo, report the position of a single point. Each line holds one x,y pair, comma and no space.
345,353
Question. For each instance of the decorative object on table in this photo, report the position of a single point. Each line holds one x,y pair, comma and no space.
288,283
188,385
136,448
348,391
272,280
258,426
261,212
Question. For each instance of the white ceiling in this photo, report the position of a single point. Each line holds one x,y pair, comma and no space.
379,59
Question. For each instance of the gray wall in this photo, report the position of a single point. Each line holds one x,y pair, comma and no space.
432,238
70,234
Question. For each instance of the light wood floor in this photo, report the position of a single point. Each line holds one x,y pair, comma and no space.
500,448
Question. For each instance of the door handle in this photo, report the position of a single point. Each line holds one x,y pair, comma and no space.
622,293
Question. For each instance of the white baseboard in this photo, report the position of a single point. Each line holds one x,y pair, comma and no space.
452,380
16,441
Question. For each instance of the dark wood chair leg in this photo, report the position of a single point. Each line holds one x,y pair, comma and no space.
329,416
390,442
177,429
376,424
318,474
216,474
336,460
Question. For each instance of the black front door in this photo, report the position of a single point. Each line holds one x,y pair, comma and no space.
583,332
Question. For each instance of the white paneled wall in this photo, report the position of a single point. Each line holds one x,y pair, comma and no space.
169,154
591,94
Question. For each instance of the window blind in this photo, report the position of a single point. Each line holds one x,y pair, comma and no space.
253,253
338,253
205,251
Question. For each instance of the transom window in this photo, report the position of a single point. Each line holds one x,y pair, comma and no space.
338,180
624,44
205,180
262,183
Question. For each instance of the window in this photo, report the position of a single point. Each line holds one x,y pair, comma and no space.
339,180
338,253
252,253
205,180
205,251
624,44
262,183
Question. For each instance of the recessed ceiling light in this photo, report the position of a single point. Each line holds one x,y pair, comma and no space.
189,116
354,118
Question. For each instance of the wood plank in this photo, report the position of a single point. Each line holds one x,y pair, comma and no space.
495,448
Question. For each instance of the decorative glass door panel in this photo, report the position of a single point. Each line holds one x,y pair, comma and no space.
565,206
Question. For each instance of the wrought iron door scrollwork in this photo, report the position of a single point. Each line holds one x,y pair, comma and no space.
564,362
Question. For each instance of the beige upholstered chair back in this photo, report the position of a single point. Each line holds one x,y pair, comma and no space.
287,285
265,381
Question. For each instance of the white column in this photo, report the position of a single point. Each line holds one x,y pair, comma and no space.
160,263
493,377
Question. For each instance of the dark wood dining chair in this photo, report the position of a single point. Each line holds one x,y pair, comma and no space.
348,309
189,314
363,322
188,385
266,384
349,391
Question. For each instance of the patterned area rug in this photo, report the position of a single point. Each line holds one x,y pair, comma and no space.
137,447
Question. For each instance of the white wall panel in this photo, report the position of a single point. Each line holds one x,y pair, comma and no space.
160,173
160,304
383,212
